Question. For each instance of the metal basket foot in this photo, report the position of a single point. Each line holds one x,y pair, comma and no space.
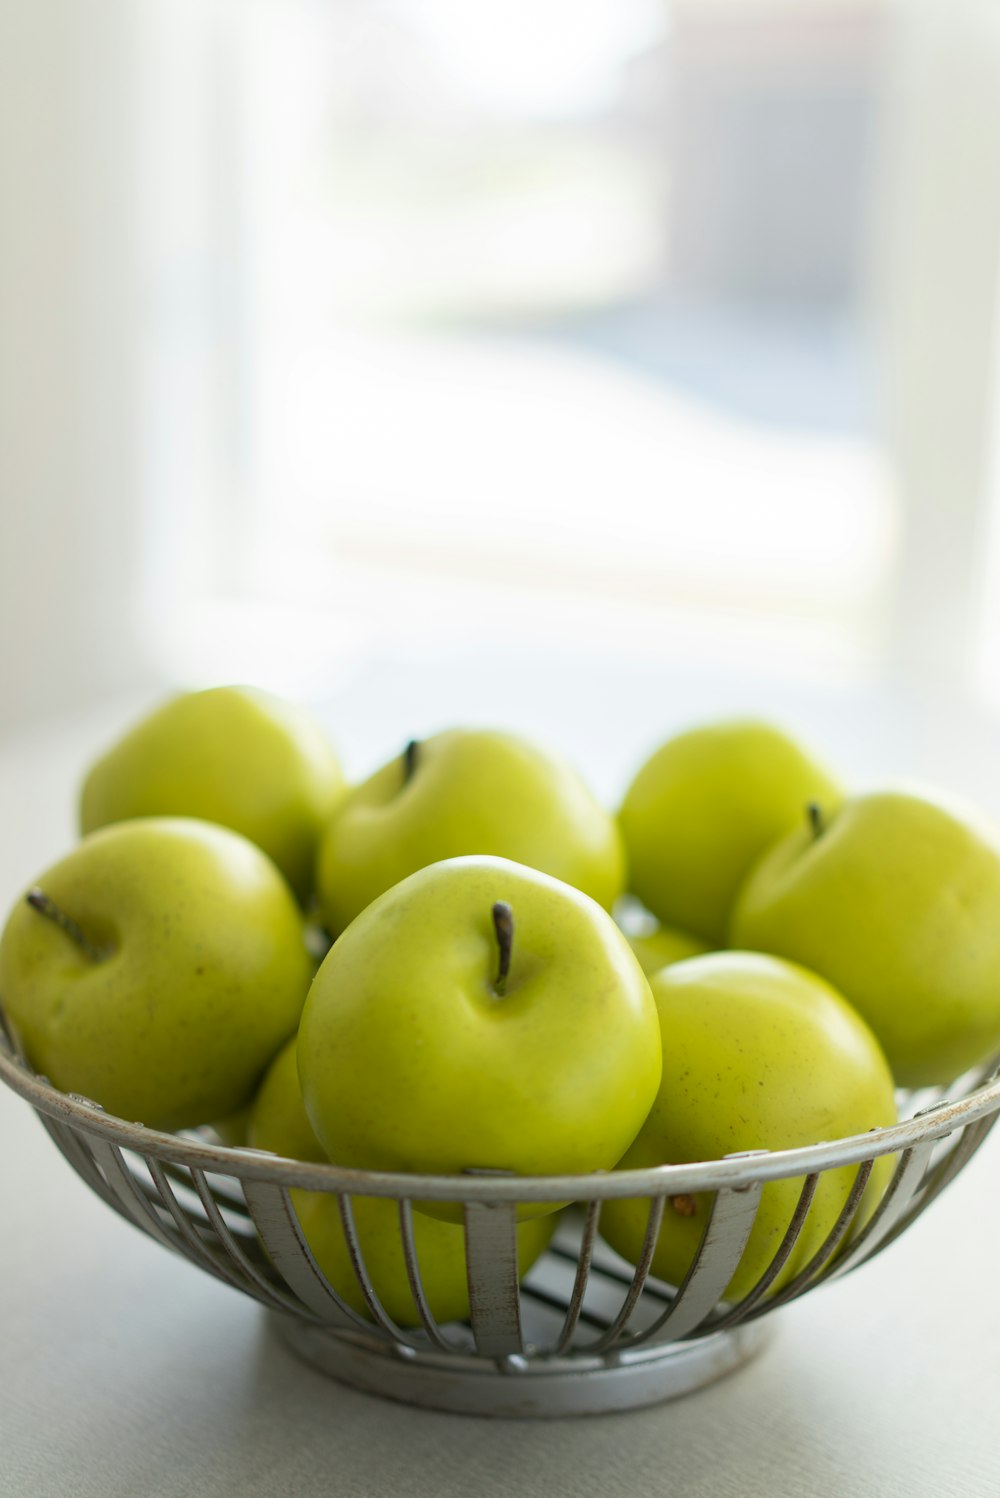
523,1387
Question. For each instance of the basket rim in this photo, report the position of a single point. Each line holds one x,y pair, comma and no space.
733,1172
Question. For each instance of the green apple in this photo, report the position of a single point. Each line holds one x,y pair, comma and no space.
757,1054
156,969
703,809
663,946
461,792
279,1123
895,899
479,1015
234,755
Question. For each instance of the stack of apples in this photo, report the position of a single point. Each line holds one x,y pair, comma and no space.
467,963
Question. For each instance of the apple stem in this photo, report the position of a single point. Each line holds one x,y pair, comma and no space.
815,814
40,901
410,760
503,925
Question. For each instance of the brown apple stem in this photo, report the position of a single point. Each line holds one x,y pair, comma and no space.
684,1205
503,925
40,901
410,760
815,814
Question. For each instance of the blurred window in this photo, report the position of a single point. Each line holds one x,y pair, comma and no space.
514,319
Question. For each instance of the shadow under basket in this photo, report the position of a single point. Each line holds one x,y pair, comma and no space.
584,1332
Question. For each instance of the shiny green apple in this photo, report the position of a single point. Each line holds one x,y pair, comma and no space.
895,899
757,1054
156,969
461,792
479,1015
233,755
279,1123
703,809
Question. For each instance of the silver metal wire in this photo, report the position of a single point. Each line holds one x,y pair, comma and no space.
730,1221
415,1281
585,1330
379,1314
635,1289
583,1259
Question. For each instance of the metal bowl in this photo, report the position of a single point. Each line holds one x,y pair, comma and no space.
585,1332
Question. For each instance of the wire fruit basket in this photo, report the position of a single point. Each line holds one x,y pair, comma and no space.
584,1332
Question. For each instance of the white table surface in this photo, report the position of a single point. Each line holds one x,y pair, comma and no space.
124,1370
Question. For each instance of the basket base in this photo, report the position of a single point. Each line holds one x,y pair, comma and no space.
517,1388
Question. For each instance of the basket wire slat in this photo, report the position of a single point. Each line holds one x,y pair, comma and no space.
965,1145
810,1273
200,1247
780,1258
583,1262
130,1186
256,1283
428,1320
901,1194
535,1294
135,1199
962,1147
278,1225
380,1315
605,1268
635,1289
730,1221
226,1192
75,1147
494,1290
